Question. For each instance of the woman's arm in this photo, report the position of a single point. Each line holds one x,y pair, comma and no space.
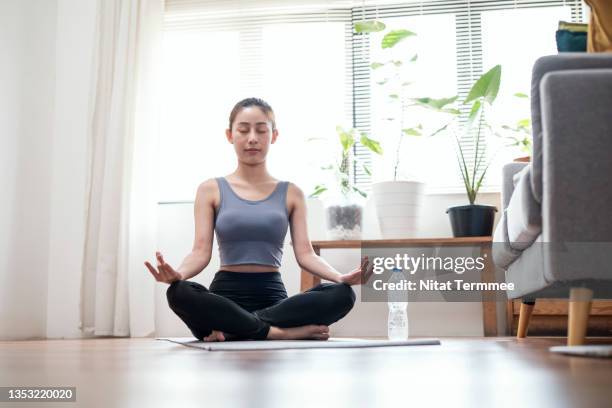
304,253
198,259
204,215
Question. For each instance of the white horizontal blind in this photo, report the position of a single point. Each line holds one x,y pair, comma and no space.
361,96
469,49
249,17
255,26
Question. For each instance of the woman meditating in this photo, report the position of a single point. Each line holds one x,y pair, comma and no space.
250,212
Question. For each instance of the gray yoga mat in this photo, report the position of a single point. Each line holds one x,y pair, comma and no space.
602,351
295,344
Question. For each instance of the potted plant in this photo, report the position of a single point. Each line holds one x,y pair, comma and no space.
519,134
397,201
343,201
472,219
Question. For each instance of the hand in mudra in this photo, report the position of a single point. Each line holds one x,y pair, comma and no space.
354,277
164,272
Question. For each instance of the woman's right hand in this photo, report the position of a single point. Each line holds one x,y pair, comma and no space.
164,272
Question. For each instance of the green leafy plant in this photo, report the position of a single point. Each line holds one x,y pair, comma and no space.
471,127
396,84
341,169
519,132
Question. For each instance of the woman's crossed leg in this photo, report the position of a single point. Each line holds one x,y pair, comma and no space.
303,316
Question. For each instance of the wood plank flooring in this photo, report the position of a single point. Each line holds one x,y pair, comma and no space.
462,372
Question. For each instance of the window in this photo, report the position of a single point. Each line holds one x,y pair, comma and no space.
483,33
503,43
298,62
305,60
200,81
305,80
432,74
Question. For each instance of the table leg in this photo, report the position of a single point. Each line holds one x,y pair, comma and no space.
489,308
308,280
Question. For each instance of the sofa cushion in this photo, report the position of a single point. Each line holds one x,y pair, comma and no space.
508,171
572,37
518,176
524,213
503,254
570,41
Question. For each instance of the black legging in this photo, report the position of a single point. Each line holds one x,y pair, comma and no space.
245,304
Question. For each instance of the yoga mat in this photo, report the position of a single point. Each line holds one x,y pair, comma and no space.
294,344
586,350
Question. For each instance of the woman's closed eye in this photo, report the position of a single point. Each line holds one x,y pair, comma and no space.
258,131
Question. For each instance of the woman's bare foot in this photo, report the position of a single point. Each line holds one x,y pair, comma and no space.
308,332
215,336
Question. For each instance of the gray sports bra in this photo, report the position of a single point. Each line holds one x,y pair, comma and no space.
248,231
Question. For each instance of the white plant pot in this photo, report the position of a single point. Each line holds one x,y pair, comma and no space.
343,216
398,205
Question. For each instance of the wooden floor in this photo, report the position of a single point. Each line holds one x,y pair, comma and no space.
462,372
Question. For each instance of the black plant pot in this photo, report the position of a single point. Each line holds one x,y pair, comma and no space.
472,220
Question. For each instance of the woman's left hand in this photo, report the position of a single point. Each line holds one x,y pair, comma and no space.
354,277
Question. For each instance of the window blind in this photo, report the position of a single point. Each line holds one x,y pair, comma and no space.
249,16
469,52
295,55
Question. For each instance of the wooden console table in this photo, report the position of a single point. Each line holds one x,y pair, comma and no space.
489,308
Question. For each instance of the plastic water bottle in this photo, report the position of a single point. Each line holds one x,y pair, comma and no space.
397,324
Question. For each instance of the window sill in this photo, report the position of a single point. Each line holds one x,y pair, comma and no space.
449,190
437,190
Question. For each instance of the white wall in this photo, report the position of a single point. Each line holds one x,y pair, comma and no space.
367,318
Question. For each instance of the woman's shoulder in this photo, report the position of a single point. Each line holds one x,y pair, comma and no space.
209,189
294,190
208,184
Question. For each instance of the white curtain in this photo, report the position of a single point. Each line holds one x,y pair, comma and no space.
117,292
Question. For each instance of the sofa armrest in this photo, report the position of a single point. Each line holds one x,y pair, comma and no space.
577,155
508,172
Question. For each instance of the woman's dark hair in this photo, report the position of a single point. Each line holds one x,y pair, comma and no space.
248,102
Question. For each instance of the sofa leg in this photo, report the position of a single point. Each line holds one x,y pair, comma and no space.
579,310
524,317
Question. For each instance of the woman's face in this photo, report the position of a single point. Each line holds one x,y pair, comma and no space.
251,135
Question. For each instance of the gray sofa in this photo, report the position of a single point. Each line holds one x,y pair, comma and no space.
554,237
